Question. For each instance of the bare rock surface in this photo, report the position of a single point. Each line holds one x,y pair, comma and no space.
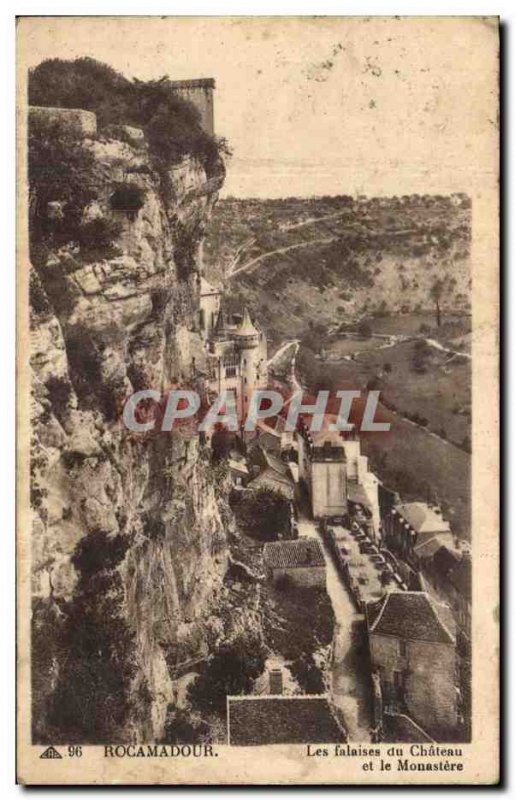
117,321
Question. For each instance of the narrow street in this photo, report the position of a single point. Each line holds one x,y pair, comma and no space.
350,683
350,672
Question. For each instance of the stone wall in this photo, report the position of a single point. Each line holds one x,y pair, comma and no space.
199,92
82,123
431,686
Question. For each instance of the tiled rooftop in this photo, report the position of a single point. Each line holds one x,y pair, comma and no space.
422,518
299,719
304,552
408,615
428,545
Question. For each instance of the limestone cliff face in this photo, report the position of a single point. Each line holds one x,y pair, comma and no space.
102,326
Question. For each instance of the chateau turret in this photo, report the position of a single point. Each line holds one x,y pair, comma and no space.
237,357
247,335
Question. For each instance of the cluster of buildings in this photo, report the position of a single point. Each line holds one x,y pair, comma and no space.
430,556
401,561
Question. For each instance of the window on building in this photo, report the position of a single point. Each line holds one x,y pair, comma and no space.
402,648
230,372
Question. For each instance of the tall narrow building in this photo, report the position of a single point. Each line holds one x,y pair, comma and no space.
325,471
237,358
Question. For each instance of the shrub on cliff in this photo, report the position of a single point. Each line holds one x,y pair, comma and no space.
98,234
83,83
127,197
95,651
38,299
97,552
172,125
59,393
60,169
307,674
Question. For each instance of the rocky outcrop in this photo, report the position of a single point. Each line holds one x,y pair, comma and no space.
83,123
106,321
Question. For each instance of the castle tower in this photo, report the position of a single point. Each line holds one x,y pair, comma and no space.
199,92
221,328
209,310
251,344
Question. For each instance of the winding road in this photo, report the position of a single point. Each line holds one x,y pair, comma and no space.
259,259
452,353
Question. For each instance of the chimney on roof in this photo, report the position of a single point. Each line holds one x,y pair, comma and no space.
276,681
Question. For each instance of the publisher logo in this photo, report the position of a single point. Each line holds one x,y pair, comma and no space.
51,752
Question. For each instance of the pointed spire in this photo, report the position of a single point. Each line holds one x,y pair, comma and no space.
221,323
246,326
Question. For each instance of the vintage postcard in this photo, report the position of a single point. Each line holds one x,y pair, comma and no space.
258,375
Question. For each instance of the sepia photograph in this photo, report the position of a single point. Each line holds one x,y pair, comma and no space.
257,400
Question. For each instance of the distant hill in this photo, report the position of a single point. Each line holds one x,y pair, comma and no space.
339,259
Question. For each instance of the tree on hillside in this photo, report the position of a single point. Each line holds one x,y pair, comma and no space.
231,670
307,365
365,329
421,354
436,293
183,727
263,514
316,337
326,379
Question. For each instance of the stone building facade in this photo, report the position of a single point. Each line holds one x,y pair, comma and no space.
413,651
337,476
322,465
416,531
